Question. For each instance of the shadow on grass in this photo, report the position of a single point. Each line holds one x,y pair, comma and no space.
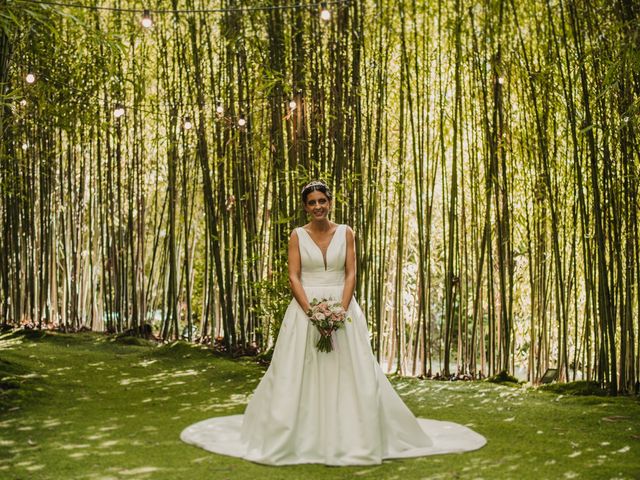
95,408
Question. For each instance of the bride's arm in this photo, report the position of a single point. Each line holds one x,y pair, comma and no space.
349,270
294,273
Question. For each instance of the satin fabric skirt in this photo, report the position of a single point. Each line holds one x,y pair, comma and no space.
335,408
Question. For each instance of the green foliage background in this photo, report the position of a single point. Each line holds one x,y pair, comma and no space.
485,153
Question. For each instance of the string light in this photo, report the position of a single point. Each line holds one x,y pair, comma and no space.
190,10
500,80
325,13
146,21
119,110
25,146
30,78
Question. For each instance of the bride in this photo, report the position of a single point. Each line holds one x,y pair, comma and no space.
335,408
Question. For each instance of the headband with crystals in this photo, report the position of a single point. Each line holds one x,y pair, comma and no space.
313,184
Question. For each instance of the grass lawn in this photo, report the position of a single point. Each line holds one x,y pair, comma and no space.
87,407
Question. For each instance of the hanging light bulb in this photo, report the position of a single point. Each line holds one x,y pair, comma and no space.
119,110
146,21
25,146
187,123
500,80
219,109
242,122
293,105
30,78
325,13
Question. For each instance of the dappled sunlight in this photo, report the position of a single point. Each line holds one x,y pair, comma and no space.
117,473
145,363
161,377
184,373
119,427
367,471
110,428
78,455
139,471
186,394
30,466
8,343
131,381
33,375
156,399
110,452
235,400
53,422
7,423
60,369
108,443
71,446
202,459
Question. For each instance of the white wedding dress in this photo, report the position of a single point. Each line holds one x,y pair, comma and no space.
335,408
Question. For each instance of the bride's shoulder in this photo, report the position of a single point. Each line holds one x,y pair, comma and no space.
294,233
304,227
348,230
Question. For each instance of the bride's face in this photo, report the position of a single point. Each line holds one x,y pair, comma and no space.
317,205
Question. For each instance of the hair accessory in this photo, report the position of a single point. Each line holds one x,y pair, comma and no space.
314,183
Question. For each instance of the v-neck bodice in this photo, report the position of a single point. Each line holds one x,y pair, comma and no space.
313,266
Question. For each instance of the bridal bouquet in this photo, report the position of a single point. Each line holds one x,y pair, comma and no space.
327,316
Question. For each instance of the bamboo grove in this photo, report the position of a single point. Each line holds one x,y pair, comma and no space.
485,153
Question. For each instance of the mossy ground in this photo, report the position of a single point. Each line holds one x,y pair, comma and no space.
86,407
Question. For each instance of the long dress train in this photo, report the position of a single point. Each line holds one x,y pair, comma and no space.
334,408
